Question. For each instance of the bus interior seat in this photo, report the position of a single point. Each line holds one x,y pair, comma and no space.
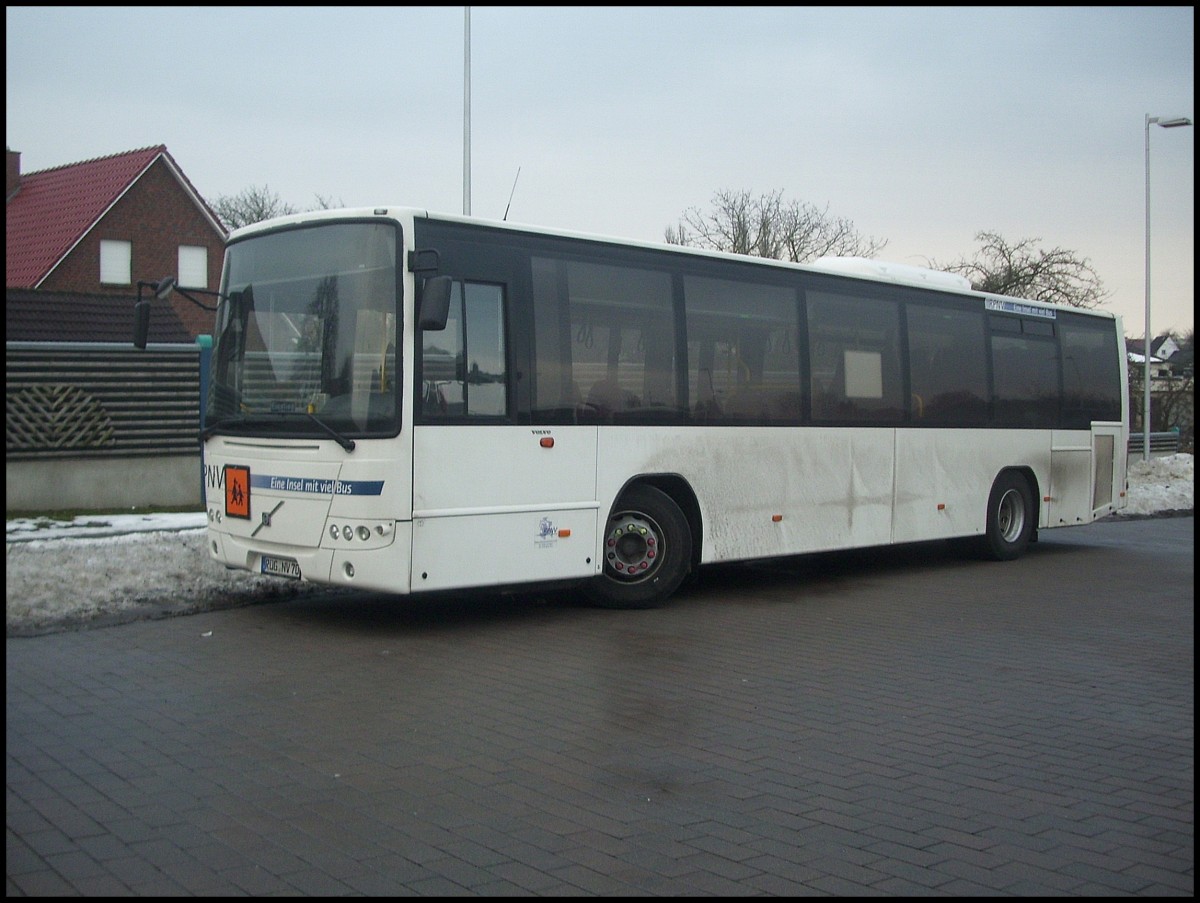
765,404
746,401
606,398
707,407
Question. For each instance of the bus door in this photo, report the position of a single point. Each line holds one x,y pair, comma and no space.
494,501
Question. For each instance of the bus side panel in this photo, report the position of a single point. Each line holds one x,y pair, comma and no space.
1087,478
497,504
501,548
1070,487
456,467
765,491
944,478
831,488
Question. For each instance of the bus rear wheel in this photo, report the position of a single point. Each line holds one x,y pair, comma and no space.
1011,518
647,551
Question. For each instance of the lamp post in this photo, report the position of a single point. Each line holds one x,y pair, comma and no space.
1173,123
466,111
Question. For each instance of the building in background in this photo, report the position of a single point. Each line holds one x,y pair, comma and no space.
90,231
92,423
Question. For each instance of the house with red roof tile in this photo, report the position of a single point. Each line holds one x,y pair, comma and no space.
79,238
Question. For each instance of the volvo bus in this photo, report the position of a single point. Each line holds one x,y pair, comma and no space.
411,403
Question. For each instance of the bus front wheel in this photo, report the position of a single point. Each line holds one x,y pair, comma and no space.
1011,517
647,551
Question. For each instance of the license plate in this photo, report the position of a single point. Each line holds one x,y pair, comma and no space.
280,567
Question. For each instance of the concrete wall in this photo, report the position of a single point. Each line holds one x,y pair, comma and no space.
105,484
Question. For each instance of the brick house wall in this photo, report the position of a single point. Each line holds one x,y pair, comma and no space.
156,216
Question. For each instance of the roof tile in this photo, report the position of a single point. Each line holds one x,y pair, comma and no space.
41,316
54,208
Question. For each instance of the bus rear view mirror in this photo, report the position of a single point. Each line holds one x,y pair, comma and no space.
141,324
435,303
141,310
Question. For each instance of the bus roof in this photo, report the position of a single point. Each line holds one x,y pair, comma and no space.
893,272
855,267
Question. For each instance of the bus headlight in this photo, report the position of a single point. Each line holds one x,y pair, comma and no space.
362,535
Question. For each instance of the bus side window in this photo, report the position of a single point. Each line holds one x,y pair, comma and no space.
855,358
743,363
621,342
1025,385
947,375
464,365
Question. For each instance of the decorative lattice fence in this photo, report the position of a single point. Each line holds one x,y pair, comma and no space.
87,401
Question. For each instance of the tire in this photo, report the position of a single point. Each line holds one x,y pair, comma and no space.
1011,518
647,551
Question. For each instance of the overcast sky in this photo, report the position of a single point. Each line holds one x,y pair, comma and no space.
923,126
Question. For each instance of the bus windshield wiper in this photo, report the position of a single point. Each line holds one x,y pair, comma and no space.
227,423
343,441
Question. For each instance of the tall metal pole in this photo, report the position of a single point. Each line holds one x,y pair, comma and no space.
1146,363
1166,124
467,111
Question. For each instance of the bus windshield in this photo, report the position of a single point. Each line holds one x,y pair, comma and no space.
305,339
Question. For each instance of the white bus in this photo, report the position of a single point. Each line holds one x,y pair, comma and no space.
410,402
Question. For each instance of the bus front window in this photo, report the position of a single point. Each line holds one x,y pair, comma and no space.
308,328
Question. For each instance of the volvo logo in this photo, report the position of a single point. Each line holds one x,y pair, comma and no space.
266,518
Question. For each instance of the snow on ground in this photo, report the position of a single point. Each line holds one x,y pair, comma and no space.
102,569
1161,484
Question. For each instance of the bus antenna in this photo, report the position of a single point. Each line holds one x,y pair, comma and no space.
510,194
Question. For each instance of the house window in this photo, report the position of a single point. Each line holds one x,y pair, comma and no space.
193,266
115,257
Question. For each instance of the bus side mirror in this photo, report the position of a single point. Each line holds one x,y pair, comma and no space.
141,324
435,303
141,310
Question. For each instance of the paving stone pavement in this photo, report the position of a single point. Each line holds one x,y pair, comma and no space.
896,722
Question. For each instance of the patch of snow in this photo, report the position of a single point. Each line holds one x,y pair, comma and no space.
1161,484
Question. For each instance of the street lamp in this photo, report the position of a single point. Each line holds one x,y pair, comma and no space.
466,111
1174,123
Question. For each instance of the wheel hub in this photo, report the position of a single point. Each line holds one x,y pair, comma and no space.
632,547
1011,516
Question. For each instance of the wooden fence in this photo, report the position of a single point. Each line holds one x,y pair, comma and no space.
101,426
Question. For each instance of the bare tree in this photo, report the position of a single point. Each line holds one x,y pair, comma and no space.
325,202
1173,394
255,204
251,205
1172,403
1022,270
767,226
1186,341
